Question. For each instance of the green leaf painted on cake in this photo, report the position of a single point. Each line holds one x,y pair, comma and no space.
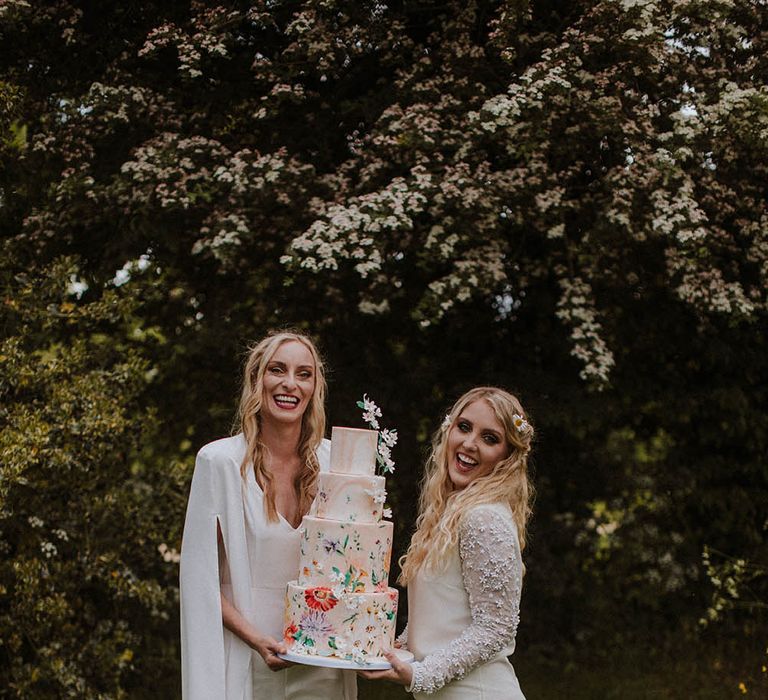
374,578
390,615
332,642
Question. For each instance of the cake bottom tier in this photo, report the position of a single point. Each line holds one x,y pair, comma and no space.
350,626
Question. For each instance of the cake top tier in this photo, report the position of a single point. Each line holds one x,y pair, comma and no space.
353,450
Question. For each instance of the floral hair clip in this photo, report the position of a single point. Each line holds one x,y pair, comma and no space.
521,425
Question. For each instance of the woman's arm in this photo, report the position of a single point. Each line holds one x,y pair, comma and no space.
402,640
264,644
237,624
492,571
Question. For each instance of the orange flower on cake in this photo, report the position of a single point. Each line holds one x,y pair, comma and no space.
320,598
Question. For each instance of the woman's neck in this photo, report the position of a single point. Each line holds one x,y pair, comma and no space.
282,441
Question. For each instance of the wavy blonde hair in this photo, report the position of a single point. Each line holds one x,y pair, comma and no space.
249,422
441,507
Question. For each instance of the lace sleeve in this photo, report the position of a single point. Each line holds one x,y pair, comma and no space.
492,572
402,638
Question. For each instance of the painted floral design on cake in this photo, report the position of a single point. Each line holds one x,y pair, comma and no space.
356,626
341,605
360,551
347,497
320,598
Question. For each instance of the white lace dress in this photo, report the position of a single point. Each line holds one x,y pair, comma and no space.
463,619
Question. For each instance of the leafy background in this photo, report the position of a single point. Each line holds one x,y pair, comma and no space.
566,199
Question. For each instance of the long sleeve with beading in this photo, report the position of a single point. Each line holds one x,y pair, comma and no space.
492,572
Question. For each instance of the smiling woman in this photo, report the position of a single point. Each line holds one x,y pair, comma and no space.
476,444
464,568
241,542
289,382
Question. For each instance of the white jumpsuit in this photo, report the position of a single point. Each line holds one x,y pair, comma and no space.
261,558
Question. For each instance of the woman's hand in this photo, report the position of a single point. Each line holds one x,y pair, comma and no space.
401,671
269,649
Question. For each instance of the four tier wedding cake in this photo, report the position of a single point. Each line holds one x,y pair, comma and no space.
341,604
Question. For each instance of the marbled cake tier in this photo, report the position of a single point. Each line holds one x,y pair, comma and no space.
354,556
349,497
352,626
353,451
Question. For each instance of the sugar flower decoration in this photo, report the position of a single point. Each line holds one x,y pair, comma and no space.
370,412
387,436
378,495
337,643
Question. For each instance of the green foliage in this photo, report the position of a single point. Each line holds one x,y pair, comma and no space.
82,584
735,582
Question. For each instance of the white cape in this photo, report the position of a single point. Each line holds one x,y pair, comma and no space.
215,663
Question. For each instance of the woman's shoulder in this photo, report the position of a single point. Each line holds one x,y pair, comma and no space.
324,455
497,514
224,450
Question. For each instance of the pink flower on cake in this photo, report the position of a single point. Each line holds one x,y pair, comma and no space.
290,632
320,598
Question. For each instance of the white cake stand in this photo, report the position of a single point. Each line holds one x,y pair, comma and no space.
330,662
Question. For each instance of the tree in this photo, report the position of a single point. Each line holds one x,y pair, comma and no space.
564,198
84,508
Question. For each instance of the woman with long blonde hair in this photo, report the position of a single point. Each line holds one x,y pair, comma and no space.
464,568
241,539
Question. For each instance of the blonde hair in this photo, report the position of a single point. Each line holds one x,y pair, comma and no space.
441,507
249,422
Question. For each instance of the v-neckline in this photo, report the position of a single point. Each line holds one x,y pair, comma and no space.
281,517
